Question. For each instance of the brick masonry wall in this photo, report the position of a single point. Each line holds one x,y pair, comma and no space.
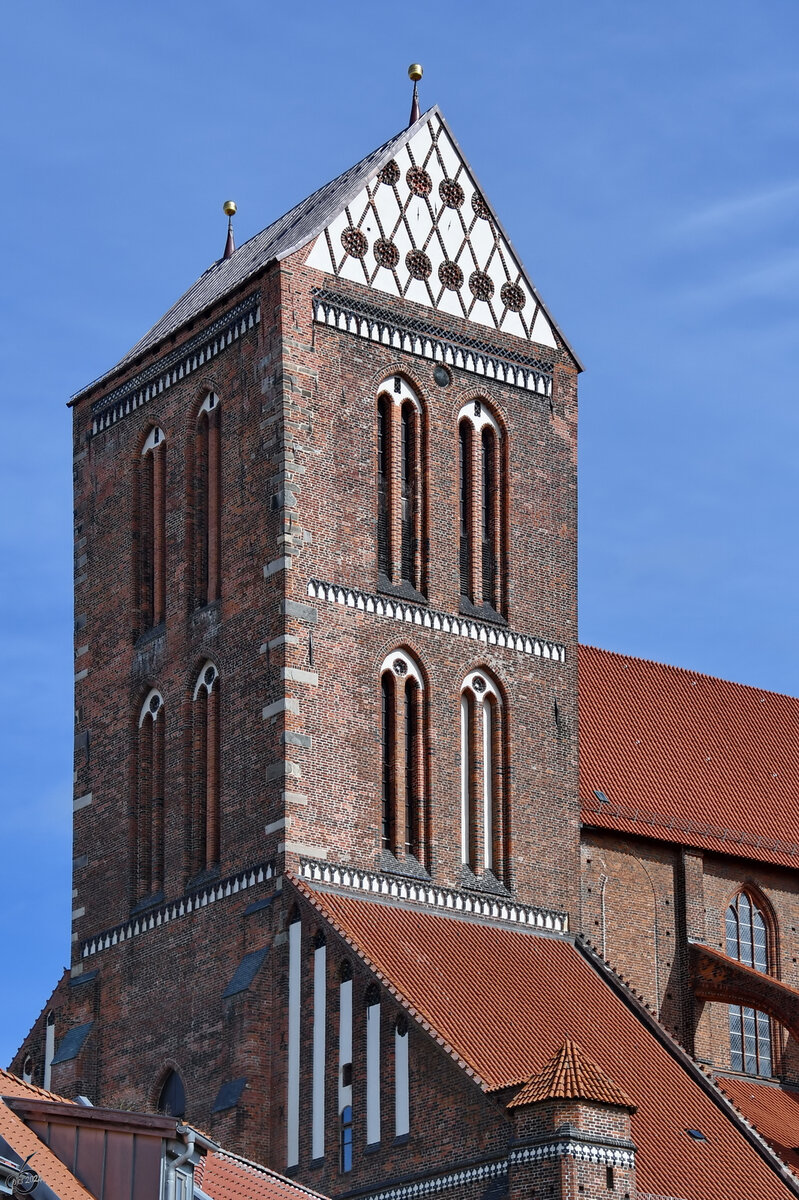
656,897
334,378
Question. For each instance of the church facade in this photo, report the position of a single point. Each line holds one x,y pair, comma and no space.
345,895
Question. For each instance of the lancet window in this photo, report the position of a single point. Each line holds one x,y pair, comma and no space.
483,819
205,506
403,768
147,833
481,508
151,532
204,772
400,488
747,940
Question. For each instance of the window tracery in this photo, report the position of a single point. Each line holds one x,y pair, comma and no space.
147,833
400,490
483,822
747,940
204,771
481,508
151,530
205,502
403,790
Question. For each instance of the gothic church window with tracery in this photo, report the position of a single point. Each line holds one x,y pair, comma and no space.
147,817
402,721
205,502
150,542
481,508
747,940
400,490
483,822
204,772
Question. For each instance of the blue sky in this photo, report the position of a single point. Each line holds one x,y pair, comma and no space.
644,159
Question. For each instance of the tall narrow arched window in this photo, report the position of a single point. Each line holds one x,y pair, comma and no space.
172,1096
147,825
205,505
151,532
747,941
481,510
403,769
401,517
204,772
484,820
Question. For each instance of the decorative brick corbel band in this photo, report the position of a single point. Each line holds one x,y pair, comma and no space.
176,366
413,337
429,895
210,893
428,618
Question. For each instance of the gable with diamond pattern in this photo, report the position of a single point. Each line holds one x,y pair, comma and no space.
421,229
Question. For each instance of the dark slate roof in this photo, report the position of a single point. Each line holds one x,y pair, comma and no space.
245,972
229,1095
71,1043
291,231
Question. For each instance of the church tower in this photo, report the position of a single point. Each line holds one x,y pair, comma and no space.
325,597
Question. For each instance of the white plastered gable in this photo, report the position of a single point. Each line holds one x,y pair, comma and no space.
420,228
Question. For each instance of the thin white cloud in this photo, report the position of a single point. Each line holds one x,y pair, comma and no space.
736,209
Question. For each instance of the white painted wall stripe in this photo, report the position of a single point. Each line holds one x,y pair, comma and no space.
319,1019
464,779
372,1074
344,1041
402,1106
293,1090
488,799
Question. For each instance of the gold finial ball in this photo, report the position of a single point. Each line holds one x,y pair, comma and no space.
415,72
229,208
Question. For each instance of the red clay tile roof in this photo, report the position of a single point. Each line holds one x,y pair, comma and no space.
774,1112
503,1001
686,758
24,1141
228,1177
12,1085
571,1075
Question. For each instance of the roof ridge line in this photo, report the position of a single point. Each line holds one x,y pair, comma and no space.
656,662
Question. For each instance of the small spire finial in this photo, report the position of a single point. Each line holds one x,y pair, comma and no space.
415,73
229,208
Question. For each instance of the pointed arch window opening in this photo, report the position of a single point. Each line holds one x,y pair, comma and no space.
147,823
403,804
172,1097
483,820
400,491
481,508
207,502
747,940
151,529
204,807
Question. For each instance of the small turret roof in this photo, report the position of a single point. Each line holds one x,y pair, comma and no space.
570,1075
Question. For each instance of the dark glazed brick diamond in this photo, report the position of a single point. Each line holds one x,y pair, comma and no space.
390,173
450,275
480,207
512,297
451,193
354,242
419,181
418,264
386,253
481,285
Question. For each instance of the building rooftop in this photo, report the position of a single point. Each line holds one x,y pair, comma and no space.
571,1075
502,1002
686,758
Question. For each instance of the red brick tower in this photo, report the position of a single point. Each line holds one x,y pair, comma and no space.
325,522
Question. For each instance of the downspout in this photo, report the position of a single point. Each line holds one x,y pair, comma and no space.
171,1167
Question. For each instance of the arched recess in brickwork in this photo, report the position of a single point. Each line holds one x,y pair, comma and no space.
404,812
401,490
147,800
482,506
149,531
204,502
484,831
171,1095
203,772
630,923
